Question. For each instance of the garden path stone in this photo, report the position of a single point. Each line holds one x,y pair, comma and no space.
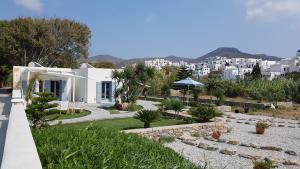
290,152
228,152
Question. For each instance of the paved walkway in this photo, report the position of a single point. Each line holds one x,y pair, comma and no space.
100,114
5,106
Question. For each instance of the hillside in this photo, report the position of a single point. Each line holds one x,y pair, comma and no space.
223,51
234,53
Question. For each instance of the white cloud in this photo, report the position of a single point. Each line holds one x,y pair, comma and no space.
272,9
33,5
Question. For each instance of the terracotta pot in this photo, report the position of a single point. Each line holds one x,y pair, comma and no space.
260,130
216,135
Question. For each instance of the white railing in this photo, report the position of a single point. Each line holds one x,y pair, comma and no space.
19,150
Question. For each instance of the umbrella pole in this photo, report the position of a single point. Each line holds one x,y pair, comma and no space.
188,96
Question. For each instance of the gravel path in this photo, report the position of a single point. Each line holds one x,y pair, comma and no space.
101,114
287,138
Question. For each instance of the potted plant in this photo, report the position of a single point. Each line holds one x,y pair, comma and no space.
261,126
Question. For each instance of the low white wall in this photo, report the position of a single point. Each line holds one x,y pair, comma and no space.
19,151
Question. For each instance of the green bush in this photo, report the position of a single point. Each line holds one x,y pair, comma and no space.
94,147
203,113
134,107
166,139
147,116
263,164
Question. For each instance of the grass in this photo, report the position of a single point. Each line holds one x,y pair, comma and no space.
68,115
124,123
112,110
96,147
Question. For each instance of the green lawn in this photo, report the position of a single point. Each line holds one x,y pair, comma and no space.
96,147
69,115
112,110
123,124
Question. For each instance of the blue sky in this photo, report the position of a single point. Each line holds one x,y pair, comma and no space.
187,28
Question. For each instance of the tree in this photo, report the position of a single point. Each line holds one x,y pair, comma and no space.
177,106
219,93
211,86
5,72
203,113
39,109
256,72
50,42
183,73
103,64
134,80
196,91
165,91
147,116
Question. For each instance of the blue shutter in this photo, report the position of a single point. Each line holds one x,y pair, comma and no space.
47,86
98,92
24,86
63,91
112,94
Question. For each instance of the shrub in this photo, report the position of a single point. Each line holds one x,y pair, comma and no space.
147,116
40,108
166,139
172,104
263,164
134,107
96,147
262,124
203,113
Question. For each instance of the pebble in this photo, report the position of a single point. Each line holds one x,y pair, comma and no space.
211,148
290,152
247,122
281,125
290,162
239,121
228,152
222,140
252,157
228,120
245,145
273,148
203,145
233,142
188,142
291,126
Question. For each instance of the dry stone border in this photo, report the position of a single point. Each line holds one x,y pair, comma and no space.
230,152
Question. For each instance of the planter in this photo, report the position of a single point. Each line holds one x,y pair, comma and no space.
216,135
260,130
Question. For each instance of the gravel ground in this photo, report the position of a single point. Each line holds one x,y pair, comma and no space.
287,138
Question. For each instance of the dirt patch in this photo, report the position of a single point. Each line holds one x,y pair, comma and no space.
282,112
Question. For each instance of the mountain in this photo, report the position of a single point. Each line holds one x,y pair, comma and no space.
235,53
109,58
223,51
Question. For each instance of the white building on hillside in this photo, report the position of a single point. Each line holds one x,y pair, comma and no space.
86,84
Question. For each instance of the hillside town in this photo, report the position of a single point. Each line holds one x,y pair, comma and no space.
233,68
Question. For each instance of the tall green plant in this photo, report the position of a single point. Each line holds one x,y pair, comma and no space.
147,116
203,113
40,108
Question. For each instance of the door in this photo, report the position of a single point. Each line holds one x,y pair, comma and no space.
105,91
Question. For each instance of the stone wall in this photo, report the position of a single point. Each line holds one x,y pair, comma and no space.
183,132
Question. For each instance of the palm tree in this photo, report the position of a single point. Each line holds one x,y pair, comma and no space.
147,116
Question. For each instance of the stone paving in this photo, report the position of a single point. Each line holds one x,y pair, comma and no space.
101,114
240,145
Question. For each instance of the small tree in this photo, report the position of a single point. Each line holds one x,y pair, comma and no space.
39,109
183,73
177,106
147,116
203,113
165,91
256,72
219,93
196,92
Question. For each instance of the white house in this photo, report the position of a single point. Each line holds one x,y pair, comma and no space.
86,84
